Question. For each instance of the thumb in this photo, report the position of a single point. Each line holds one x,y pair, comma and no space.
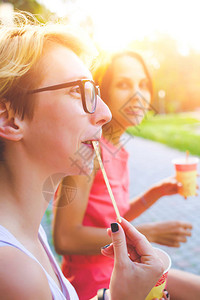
119,243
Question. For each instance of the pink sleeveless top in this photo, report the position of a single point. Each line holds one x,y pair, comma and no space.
96,269
68,292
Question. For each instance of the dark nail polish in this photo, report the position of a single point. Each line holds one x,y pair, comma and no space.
114,227
106,246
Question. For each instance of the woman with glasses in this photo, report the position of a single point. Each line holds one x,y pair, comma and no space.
49,109
126,88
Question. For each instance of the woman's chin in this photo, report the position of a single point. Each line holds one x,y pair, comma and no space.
88,168
131,121
83,167
137,121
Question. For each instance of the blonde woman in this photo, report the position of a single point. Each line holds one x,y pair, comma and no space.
49,108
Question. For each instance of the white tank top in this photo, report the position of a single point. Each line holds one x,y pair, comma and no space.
68,291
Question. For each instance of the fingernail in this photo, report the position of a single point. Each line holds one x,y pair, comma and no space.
106,246
114,227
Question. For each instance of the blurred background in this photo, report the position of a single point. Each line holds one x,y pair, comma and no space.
167,32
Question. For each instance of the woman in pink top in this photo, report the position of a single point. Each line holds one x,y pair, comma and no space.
126,87
49,109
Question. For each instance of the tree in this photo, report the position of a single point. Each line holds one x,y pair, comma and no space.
32,6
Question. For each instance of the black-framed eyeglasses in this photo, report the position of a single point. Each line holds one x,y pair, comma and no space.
87,90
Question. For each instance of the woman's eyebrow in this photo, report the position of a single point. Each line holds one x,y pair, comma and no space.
79,78
123,78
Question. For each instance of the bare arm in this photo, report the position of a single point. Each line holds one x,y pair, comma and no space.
141,203
183,285
17,282
169,233
70,236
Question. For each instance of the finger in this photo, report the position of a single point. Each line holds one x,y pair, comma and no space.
178,224
174,245
181,232
138,240
169,243
119,243
174,180
133,255
108,250
173,241
189,228
186,225
187,232
109,232
181,239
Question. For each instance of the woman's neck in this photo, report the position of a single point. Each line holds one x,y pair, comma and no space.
22,204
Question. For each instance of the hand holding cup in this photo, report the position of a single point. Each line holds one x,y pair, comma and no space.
135,261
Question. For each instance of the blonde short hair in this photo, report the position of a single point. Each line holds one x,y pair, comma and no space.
22,44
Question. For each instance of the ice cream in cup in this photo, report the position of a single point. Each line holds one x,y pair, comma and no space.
186,174
157,290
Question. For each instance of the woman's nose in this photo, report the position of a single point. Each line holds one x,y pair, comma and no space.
139,99
102,114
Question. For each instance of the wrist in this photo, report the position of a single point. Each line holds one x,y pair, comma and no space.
144,201
153,194
158,191
147,229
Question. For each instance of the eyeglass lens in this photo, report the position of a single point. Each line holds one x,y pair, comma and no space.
90,96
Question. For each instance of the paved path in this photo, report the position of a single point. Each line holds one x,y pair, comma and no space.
149,162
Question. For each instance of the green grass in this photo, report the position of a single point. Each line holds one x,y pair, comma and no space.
180,131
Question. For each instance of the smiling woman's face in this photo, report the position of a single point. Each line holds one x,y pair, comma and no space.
60,126
129,93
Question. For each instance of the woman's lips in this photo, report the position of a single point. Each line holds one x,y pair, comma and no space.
134,112
88,144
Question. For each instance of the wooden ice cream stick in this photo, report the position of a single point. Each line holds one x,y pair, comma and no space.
95,145
187,156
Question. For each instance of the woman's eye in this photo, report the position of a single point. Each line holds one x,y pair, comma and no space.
145,85
75,92
123,85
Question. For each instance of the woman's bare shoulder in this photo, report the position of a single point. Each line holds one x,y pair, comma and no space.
21,277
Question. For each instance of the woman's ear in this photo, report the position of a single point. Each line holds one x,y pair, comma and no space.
10,124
